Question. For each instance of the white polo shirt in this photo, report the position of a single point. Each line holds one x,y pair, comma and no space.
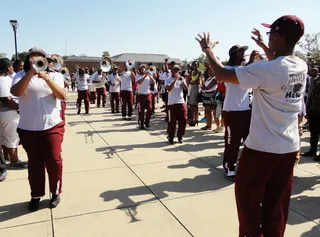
175,96
126,81
236,98
144,87
37,105
82,81
114,79
278,88
98,80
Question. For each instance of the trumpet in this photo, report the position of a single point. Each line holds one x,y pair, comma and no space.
105,64
152,70
39,63
130,64
57,61
65,72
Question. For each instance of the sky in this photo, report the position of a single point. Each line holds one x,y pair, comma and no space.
160,27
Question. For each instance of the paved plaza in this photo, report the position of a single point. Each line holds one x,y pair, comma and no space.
122,181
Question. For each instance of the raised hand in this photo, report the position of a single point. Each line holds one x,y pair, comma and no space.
257,37
205,41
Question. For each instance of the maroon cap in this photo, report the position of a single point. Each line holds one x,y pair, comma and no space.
289,25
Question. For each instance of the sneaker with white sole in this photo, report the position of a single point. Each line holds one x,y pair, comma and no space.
218,130
231,175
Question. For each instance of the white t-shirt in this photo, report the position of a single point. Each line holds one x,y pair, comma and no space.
144,87
236,98
175,96
98,80
38,107
114,79
82,81
5,86
60,78
155,89
278,87
126,81
165,75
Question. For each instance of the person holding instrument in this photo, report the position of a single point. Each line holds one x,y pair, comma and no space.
264,177
40,128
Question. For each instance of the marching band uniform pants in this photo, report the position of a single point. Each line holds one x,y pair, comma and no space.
114,97
101,92
144,104
44,153
83,95
237,124
262,188
177,112
127,100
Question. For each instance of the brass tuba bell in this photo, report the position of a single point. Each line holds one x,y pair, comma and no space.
130,64
105,64
152,70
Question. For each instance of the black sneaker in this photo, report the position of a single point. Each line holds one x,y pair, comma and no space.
170,140
19,165
147,125
317,158
180,140
142,127
34,204
78,111
55,200
309,154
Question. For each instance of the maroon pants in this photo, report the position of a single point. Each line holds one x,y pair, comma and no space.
237,124
153,98
144,102
101,93
93,96
262,189
114,98
44,152
63,110
127,100
177,112
83,95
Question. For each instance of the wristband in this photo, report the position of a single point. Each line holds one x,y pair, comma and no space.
205,47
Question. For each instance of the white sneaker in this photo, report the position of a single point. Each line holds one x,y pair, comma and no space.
218,130
231,175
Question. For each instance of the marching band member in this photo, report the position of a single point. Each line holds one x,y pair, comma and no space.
176,105
154,93
91,87
114,89
40,127
83,80
127,92
99,79
144,97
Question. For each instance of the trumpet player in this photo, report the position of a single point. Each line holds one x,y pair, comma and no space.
144,79
177,110
99,80
83,80
127,92
114,89
40,126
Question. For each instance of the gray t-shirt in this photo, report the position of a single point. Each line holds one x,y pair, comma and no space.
278,87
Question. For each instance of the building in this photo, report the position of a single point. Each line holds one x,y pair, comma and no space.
83,61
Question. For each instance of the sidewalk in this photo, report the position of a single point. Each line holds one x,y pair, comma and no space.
121,181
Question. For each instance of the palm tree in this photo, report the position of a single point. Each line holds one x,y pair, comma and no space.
105,54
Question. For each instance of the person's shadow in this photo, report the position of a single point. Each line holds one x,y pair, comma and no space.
201,183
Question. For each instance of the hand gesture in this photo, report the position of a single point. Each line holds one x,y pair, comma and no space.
205,41
257,38
166,60
43,75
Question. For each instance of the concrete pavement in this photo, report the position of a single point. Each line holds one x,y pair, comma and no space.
121,181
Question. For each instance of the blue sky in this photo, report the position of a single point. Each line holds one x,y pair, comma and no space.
140,26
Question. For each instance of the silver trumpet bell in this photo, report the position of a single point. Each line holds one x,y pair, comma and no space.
130,64
105,64
152,70
57,61
39,63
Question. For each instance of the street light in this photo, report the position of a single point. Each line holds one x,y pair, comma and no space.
15,24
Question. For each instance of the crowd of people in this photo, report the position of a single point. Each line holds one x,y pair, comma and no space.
260,103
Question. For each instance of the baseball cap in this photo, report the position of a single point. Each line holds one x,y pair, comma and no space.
5,63
36,50
176,67
289,26
236,47
143,65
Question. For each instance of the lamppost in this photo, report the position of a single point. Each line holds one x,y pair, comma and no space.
15,24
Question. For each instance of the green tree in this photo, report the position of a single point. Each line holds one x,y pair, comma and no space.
22,56
311,45
105,54
2,55
185,62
